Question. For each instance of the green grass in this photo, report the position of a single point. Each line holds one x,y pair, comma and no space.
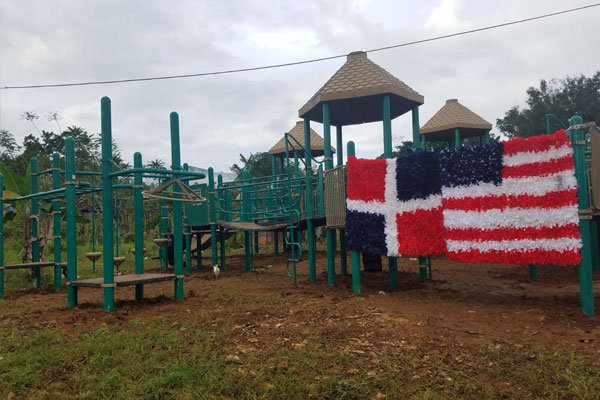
163,358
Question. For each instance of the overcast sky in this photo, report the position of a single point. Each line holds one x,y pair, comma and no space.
52,41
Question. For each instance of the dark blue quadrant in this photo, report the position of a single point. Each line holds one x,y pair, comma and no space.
469,165
365,232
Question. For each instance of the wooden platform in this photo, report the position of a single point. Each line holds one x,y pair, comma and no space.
251,226
124,280
30,265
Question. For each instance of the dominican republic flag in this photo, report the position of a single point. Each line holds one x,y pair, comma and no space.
393,204
513,202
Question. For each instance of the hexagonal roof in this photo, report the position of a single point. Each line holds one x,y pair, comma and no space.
355,94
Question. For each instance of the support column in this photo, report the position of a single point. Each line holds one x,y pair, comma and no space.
199,251
456,138
387,153
188,236
56,222
221,229
177,210
246,210
355,256
71,217
138,223
310,228
213,217
340,161
108,271
586,288
163,227
486,137
35,215
419,143
275,206
328,165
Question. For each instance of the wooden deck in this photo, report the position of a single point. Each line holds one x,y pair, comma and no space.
124,280
251,226
39,264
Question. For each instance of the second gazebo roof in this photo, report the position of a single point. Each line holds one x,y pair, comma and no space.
355,94
317,143
451,116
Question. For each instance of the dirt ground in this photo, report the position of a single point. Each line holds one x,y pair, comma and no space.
463,305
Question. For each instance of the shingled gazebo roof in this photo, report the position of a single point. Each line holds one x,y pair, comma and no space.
316,143
454,115
355,94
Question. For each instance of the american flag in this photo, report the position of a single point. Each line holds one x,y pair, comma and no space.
511,202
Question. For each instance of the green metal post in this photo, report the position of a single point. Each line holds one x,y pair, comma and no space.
138,224
177,210
71,224
35,215
199,251
213,216
340,162
221,229
328,165
387,151
457,137
419,143
532,271
275,233
486,137
116,222
416,128
547,118
93,222
188,238
107,208
1,237
586,288
355,256
246,209
163,227
56,222
310,228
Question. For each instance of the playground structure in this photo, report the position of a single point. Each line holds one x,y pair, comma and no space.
294,198
177,194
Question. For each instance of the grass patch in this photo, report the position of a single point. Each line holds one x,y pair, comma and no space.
160,359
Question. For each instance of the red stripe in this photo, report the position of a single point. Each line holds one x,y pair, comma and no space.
482,235
551,257
559,199
536,143
539,168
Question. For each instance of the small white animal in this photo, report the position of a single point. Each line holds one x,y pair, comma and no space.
216,271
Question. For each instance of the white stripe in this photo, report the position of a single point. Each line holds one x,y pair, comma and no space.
373,207
529,157
561,244
391,195
534,186
511,218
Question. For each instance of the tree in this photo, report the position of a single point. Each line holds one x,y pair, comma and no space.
8,145
563,98
259,164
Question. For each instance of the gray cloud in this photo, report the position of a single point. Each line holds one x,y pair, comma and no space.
59,41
